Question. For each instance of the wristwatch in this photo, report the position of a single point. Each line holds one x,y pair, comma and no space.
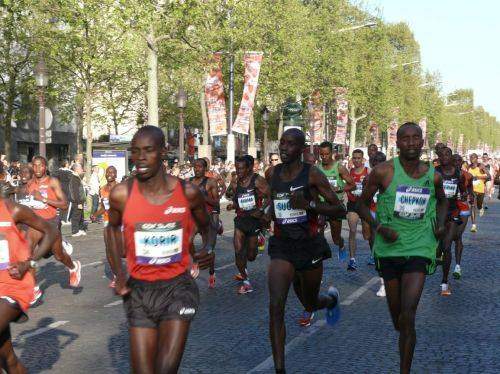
33,264
312,204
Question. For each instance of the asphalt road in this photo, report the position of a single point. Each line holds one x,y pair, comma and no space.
85,331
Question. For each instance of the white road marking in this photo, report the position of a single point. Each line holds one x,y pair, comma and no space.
42,330
92,264
268,363
114,303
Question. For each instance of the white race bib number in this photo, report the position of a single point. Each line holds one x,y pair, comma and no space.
359,189
411,202
105,202
158,243
4,254
333,182
284,213
246,201
450,188
476,182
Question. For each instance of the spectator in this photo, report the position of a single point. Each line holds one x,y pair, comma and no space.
94,186
64,175
77,199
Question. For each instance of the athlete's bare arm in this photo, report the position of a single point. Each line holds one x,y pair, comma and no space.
441,206
331,207
117,200
212,197
221,185
22,214
205,256
349,182
231,191
61,201
379,178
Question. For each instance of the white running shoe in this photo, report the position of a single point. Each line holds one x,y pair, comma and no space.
473,228
37,294
83,233
481,212
381,291
67,247
75,274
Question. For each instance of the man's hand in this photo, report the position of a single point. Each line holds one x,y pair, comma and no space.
121,287
18,269
438,231
204,259
298,201
37,196
388,234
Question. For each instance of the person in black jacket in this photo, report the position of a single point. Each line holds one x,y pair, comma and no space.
77,199
64,175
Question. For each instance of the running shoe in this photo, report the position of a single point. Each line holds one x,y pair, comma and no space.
371,261
246,287
195,270
381,291
79,233
238,277
473,228
112,284
481,212
37,294
457,273
211,281
445,289
333,312
342,254
352,266
68,248
75,274
306,319
261,242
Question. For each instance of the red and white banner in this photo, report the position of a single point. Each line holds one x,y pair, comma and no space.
253,61
392,134
342,116
423,126
316,127
215,99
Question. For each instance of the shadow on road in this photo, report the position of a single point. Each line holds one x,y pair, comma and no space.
118,347
42,351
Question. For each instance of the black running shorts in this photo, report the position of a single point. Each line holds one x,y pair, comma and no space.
351,207
394,267
302,254
250,226
150,303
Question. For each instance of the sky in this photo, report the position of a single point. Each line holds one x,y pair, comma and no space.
458,38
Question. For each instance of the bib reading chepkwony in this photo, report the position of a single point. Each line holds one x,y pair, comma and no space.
411,202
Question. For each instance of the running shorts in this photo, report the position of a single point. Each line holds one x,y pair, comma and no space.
394,267
303,254
250,226
479,200
23,317
150,303
463,208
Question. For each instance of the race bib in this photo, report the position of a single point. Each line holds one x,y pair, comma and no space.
246,201
158,243
105,202
411,202
450,188
332,181
284,213
359,189
476,182
4,254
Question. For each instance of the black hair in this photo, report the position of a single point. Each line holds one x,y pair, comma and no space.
247,159
155,132
406,125
41,158
380,157
111,167
296,133
373,145
358,151
328,145
447,149
203,161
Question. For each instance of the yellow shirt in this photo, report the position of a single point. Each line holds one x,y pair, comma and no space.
477,184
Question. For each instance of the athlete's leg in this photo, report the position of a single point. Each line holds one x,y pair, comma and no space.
447,241
143,349
336,230
459,245
215,221
57,249
473,210
8,359
171,342
393,294
239,252
252,249
412,285
280,276
352,221
366,230
306,285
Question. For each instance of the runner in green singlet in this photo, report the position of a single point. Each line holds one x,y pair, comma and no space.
341,182
411,214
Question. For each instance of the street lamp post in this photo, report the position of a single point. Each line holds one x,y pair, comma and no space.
42,81
265,119
181,104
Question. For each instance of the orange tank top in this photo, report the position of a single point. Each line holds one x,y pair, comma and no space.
104,192
13,248
48,211
157,237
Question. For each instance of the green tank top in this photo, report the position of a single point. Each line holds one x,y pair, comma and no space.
333,176
408,206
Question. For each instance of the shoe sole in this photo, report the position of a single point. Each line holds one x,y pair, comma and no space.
78,274
457,275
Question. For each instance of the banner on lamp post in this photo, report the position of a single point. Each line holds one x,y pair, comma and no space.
215,98
316,118
342,116
253,61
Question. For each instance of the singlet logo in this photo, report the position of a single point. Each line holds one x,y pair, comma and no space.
153,226
5,224
295,188
173,210
187,311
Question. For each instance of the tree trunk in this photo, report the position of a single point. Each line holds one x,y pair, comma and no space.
11,97
204,117
354,122
79,126
88,127
251,134
152,56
